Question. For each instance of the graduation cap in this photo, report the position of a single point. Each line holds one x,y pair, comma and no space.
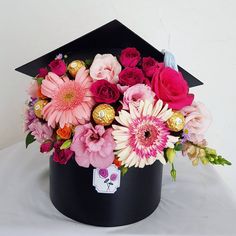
109,38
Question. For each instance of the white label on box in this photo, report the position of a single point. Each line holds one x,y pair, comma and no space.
106,180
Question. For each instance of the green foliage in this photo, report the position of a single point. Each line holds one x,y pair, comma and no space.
123,170
178,146
40,80
29,139
66,144
88,62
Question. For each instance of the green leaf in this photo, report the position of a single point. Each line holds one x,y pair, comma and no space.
124,170
40,80
29,139
88,62
178,146
66,144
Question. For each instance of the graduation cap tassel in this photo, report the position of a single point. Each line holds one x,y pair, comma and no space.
169,60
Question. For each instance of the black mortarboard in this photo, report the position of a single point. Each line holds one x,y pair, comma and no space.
109,38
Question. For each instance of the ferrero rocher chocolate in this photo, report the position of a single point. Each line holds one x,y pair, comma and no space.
176,122
38,107
103,114
74,66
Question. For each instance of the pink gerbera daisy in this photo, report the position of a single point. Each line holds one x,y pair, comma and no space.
71,100
143,134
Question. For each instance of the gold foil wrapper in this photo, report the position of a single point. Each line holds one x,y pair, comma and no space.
103,114
176,122
38,107
74,66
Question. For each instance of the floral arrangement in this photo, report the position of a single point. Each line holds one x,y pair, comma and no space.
129,111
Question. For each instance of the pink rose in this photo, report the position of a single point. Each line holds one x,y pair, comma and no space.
93,145
150,66
129,57
135,94
58,67
197,121
104,92
61,156
170,86
105,67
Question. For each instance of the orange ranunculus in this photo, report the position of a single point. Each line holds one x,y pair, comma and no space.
39,93
117,162
64,132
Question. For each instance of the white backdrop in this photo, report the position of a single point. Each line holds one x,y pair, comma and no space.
200,33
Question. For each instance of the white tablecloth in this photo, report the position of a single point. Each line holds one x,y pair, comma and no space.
197,204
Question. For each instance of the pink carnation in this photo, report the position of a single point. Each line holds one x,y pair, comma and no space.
197,121
137,93
93,145
40,131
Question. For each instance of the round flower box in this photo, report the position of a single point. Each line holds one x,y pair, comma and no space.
73,194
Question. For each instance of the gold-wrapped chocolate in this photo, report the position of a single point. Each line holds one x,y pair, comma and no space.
38,107
74,66
104,114
176,122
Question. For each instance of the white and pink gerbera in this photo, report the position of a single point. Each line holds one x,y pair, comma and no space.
71,100
142,134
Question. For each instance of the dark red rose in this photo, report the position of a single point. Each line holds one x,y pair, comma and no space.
131,76
58,67
42,72
129,57
150,66
170,86
61,156
46,146
104,91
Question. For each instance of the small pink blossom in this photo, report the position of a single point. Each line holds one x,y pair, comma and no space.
41,131
197,121
105,67
93,145
137,93
29,118
33,89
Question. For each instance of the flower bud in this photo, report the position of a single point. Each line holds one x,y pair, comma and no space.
170,154
46,146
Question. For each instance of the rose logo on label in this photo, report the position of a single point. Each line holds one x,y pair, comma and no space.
106,180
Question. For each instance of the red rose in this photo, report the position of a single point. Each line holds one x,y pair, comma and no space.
131,76
104,91
129,57
46,146
61,156
150,66
58,67
170,86
42,72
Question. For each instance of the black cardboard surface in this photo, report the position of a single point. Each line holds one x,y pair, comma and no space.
73,194
109,38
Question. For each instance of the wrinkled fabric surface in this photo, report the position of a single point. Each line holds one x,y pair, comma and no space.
197,204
